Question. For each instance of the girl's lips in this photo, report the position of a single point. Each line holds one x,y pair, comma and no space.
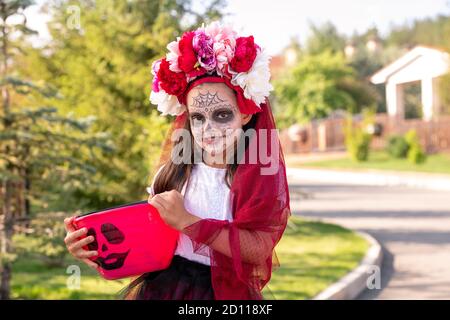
211,140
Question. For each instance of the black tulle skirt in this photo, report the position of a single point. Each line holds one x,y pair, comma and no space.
182,280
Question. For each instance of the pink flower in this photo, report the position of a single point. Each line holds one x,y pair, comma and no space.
224,38
203,46
173,54
212,48
219,33
155,68
188,61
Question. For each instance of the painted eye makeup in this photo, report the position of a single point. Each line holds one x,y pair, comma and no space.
223,115
197,118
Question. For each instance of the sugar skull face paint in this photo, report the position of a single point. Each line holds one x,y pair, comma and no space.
214,116
112,239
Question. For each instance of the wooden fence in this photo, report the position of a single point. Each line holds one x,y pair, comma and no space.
328,134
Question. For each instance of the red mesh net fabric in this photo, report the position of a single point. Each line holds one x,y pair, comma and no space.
242,251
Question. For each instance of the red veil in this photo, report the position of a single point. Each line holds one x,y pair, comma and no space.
260,208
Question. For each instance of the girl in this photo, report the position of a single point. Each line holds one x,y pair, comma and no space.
222,180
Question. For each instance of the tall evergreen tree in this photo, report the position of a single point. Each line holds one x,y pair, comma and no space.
100,58
36,142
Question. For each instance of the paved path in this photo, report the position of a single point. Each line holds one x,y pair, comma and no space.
412,225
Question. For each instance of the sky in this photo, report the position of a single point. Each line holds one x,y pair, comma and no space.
274,22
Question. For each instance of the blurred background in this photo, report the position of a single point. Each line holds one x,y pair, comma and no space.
362,103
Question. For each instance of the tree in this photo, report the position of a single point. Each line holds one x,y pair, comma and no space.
319,84
101,66
324,37
366,62
431,31
35,139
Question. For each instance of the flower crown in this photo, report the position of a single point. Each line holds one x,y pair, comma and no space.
214,50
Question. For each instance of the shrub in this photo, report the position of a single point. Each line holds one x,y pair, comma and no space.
397,146
357,142
415,152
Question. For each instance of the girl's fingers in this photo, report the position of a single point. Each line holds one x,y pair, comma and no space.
68,224
159,201
79,244
84,254
72,236
91,264
164,195
156,205
170,196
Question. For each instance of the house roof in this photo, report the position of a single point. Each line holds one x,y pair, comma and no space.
408,59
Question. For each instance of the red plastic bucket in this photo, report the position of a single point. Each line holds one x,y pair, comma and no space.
131,239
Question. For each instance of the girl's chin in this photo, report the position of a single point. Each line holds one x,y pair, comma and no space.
218,153
217,147
213,150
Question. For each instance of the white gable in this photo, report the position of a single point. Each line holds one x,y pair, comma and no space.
419,63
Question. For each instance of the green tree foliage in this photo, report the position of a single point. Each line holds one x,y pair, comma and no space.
366,61
324,37
43,239
319,84
100,58
406,146
36,142
357,138
397,146
416,154
431,31
97,67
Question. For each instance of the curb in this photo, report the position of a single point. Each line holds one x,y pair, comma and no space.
373,178
354,282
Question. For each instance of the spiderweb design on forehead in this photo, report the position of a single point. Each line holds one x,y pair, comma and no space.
206,100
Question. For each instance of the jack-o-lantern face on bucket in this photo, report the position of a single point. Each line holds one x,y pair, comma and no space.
130,240
111,246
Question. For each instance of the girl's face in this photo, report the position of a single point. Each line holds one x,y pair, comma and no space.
214,116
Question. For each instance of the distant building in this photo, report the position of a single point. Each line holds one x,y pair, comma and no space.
420,69
277,65
422,64
287,58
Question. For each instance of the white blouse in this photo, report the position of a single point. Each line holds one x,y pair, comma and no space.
206,195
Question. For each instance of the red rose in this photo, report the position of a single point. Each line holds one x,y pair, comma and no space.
187,61
244,54
172,82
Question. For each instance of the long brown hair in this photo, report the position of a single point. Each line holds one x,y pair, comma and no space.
174,176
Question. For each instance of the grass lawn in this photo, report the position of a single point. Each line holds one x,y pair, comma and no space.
312,256
32,280
435,163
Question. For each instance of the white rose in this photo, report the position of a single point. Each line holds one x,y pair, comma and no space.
255,82
166,103
173,54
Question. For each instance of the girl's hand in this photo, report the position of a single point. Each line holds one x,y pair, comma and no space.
171,208
75,246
